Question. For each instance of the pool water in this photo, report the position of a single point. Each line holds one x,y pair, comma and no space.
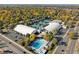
38,43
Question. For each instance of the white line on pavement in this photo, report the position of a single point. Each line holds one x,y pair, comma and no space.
55,50
17,45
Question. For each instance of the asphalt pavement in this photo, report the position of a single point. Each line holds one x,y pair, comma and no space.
69,49
61,48
14,46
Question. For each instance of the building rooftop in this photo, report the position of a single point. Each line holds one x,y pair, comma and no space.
24,29
52,26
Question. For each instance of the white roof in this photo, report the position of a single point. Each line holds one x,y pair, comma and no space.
52,26
24,29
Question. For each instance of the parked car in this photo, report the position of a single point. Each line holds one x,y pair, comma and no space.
63,43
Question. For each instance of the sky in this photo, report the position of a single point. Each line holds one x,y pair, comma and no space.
39,1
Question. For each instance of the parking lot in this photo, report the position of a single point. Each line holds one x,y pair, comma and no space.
5,49
14,35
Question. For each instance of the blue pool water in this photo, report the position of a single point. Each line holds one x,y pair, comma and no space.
38,43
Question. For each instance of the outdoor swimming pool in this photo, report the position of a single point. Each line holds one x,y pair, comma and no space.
38,43
40,24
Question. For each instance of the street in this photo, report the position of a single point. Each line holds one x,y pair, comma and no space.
72,42
69,49
14,46
62,47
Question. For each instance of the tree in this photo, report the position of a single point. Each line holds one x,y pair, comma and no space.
5,30
32,37
1,24
71,35
54,41
49,36
52,45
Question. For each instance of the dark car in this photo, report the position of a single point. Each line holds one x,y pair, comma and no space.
63,43
62,50
8,51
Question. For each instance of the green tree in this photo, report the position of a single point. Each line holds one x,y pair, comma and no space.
71,35
32,37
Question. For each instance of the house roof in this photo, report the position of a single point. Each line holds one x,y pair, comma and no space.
24,29
52,26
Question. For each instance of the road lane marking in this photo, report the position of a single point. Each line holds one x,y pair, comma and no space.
15,44
55,50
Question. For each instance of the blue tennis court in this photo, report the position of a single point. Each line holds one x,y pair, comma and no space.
40,24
